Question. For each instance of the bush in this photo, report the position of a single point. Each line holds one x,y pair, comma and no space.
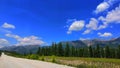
33,56
43,58
53,59
28,57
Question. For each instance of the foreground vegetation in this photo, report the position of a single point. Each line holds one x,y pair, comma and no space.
87,57
78,62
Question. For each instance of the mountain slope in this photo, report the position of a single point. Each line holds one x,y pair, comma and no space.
94,42
22,49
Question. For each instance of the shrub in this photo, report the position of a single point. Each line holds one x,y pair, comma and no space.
33,56
53,59
28,56
43,58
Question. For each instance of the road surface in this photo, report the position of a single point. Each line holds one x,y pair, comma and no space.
12,62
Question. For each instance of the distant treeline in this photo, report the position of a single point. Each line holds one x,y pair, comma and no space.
71,51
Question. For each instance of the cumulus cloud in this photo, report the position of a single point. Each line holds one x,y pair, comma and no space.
102,7
3,42
106,34
76,26
87,31
31,40
111,17
92,25
9,26
105,5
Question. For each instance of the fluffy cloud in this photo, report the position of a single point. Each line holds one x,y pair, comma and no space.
102,7
31,40
3,42
93,24
10,26
105,5
76,26
87,31
106,34
111,17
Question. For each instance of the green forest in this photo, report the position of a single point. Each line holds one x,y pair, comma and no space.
71,51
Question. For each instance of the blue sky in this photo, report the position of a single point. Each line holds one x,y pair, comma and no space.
23,22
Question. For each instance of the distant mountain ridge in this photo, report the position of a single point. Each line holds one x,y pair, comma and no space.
22,49
84,43
77,43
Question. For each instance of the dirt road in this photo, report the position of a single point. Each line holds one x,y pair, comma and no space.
12,62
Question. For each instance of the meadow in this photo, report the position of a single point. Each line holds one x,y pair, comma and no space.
81,62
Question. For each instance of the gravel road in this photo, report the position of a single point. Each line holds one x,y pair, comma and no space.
12,62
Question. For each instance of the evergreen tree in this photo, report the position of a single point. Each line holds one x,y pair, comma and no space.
118,52
72,51
67,50
80,52
60,50
98,51
38,52
102,52
90,51
53,49
107,52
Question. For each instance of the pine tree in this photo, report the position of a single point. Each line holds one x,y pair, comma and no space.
38,52
118,52
67,50
102,52
53,49
107,52
90,51
98,51
60,50
72,51
80,52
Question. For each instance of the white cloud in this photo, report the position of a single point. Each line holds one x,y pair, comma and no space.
106,34
111,17
102,7
93,25
10,26
3,42
76,26
87,31
31,40
105,5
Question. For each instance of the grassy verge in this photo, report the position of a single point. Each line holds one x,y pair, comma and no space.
85,62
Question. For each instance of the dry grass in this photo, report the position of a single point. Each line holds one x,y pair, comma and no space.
86,62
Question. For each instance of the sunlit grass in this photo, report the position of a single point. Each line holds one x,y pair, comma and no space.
80,62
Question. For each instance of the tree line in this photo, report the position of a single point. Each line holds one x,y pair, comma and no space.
71,51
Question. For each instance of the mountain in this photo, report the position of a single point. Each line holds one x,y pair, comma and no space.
77,43
84,43
21,49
